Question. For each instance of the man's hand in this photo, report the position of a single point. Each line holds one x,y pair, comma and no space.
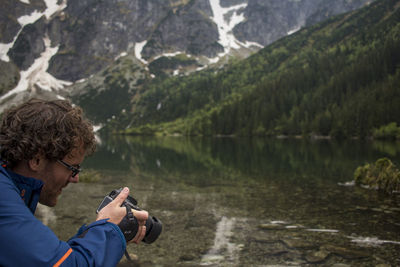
141,216
115,213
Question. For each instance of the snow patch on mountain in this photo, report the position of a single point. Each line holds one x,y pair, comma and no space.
52,8
226,19
123,54
29,19
138,51
226,37
173,54
37,74
23,20
294,30
4,48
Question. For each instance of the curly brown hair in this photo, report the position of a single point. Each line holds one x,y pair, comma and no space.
53,128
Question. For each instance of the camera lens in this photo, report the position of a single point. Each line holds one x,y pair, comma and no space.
153,229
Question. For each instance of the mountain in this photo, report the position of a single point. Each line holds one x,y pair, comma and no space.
340,78
49,47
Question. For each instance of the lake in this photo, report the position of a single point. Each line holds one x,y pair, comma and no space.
244,202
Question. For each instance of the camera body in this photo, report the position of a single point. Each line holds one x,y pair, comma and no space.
129,224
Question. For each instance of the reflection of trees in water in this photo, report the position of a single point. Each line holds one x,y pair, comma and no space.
392,149
256,157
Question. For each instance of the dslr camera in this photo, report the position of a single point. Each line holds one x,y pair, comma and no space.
129,224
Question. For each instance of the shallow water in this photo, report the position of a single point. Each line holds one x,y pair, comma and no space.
244,202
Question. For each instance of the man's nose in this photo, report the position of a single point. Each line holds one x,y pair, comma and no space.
74,179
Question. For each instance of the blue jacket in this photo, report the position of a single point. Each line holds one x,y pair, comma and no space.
25,241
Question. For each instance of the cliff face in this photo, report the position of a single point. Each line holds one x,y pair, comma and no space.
10,11
188,29
77,38
92,33
267,21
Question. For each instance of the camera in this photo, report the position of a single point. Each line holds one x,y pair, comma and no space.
129,224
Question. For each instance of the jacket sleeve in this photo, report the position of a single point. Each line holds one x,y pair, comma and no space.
25,241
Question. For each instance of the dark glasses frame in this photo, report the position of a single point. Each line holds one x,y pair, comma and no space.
75,170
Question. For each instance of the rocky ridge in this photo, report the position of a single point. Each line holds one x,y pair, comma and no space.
47,45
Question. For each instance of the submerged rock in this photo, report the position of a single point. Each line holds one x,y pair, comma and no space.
277,252
209,259
346,253
271,226
187,257
297,243
317,256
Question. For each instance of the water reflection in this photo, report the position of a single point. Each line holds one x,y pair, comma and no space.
243,202
260,158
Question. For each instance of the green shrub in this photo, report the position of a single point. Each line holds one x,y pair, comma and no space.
382,175
389,131
89,176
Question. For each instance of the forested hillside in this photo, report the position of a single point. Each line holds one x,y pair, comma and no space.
339,78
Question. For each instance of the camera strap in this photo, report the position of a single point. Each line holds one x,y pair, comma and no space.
131,220
127,256
129,225
129,214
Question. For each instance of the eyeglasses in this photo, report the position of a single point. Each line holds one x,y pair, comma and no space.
75,170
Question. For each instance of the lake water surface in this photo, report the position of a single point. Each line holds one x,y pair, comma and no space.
244,202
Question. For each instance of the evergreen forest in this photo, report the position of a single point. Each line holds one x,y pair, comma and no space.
339,78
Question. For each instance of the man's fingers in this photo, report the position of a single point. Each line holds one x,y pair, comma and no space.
140,234
121,197
141,215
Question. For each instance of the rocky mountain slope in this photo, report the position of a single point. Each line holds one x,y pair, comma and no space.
339,78
48,45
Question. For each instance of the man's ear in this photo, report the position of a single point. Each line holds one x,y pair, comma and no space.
37,163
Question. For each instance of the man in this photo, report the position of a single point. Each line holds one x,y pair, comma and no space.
42,144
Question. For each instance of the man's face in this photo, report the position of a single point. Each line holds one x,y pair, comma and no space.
56,176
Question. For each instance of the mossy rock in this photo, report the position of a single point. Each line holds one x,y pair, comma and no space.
89,176
382,175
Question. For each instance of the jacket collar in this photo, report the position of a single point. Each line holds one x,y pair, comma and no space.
29,188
